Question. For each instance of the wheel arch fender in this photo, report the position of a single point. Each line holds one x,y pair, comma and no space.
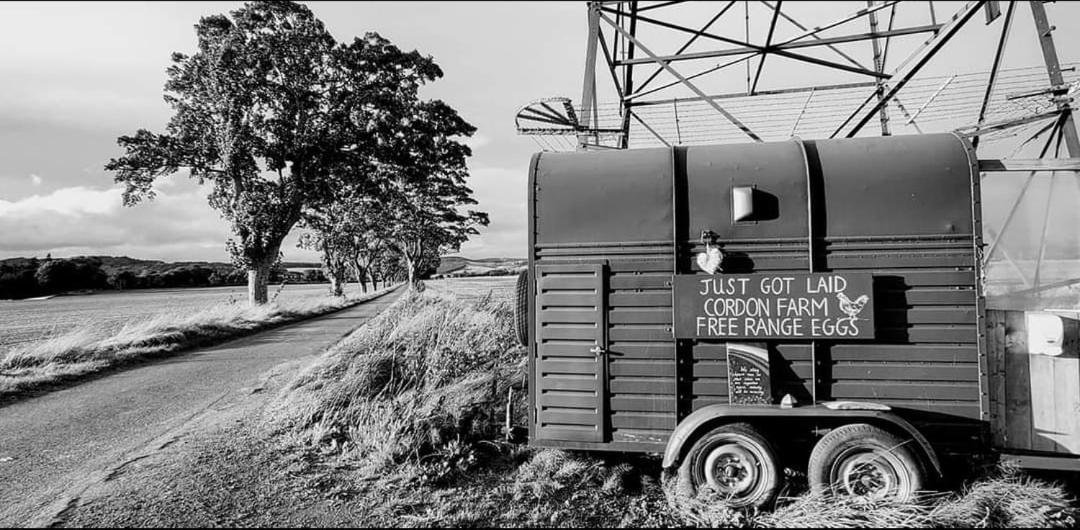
706,418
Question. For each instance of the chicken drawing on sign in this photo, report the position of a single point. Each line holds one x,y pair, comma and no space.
850,307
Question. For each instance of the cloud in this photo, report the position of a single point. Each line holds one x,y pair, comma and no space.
179,224
86,220
35,180
501,192
74,201
477,140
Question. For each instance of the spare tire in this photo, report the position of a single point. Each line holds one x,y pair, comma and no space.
521,309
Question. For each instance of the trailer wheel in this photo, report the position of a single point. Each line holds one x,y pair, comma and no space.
521,309
737,462
861,460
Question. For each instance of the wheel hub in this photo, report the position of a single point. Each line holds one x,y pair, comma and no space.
731,470
867,475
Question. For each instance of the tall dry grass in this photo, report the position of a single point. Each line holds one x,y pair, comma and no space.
427,377
568,486
414,393
1005,498
93,348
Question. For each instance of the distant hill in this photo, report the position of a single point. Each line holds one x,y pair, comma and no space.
459,265
27,278
462,266
301,264
30,277
118,263
111,264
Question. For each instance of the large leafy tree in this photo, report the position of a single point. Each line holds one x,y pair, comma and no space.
267,111
412,207
342,232
369,238
350,235
425,196
386,267
335,250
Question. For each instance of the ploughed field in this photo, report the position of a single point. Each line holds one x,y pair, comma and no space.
27,321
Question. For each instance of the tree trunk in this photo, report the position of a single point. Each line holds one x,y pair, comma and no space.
412,272
336,287
336,270
258,279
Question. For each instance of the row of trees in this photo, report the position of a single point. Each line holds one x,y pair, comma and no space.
26,278
29,277
23,278
290,127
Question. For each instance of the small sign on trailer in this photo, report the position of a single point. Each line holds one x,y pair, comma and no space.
748,374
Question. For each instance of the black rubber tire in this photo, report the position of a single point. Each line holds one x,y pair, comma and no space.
764,484
521,309
888,466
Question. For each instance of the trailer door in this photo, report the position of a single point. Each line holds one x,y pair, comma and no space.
570,359
1035,394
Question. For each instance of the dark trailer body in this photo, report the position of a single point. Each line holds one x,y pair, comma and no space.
630,350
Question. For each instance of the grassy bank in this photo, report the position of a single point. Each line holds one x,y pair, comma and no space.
400,424
416,387
92,348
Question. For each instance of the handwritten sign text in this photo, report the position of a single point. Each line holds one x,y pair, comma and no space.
780,306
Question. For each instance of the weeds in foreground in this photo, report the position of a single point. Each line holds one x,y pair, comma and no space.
1009,498
1006,498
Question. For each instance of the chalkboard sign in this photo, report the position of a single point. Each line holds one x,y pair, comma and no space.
748,374
835,306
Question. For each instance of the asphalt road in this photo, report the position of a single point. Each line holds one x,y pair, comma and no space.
55,447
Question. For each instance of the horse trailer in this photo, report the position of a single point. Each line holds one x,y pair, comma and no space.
808,304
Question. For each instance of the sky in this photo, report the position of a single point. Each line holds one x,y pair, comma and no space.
75,76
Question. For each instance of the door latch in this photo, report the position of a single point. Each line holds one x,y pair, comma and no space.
596,350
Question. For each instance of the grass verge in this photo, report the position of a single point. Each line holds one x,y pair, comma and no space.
90,350
400,425
416,386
